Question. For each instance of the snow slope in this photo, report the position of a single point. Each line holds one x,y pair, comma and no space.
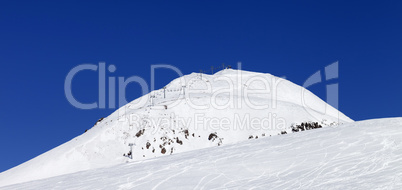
359,155
211,110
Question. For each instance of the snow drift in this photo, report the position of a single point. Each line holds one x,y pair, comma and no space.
359,155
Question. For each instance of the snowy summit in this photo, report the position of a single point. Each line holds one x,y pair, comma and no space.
231,108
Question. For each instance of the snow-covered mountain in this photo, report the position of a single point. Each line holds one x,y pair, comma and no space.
359,155
193,112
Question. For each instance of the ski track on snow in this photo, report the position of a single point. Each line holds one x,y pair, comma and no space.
360,155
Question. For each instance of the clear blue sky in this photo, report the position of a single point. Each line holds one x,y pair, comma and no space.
41,42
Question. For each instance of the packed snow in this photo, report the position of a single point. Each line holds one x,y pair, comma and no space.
193,112
359,155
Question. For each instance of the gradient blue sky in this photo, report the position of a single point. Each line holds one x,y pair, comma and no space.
41,42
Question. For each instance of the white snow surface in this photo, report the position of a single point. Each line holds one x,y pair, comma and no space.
360,155
183,120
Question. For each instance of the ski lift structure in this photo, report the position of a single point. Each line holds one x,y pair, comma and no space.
130,155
